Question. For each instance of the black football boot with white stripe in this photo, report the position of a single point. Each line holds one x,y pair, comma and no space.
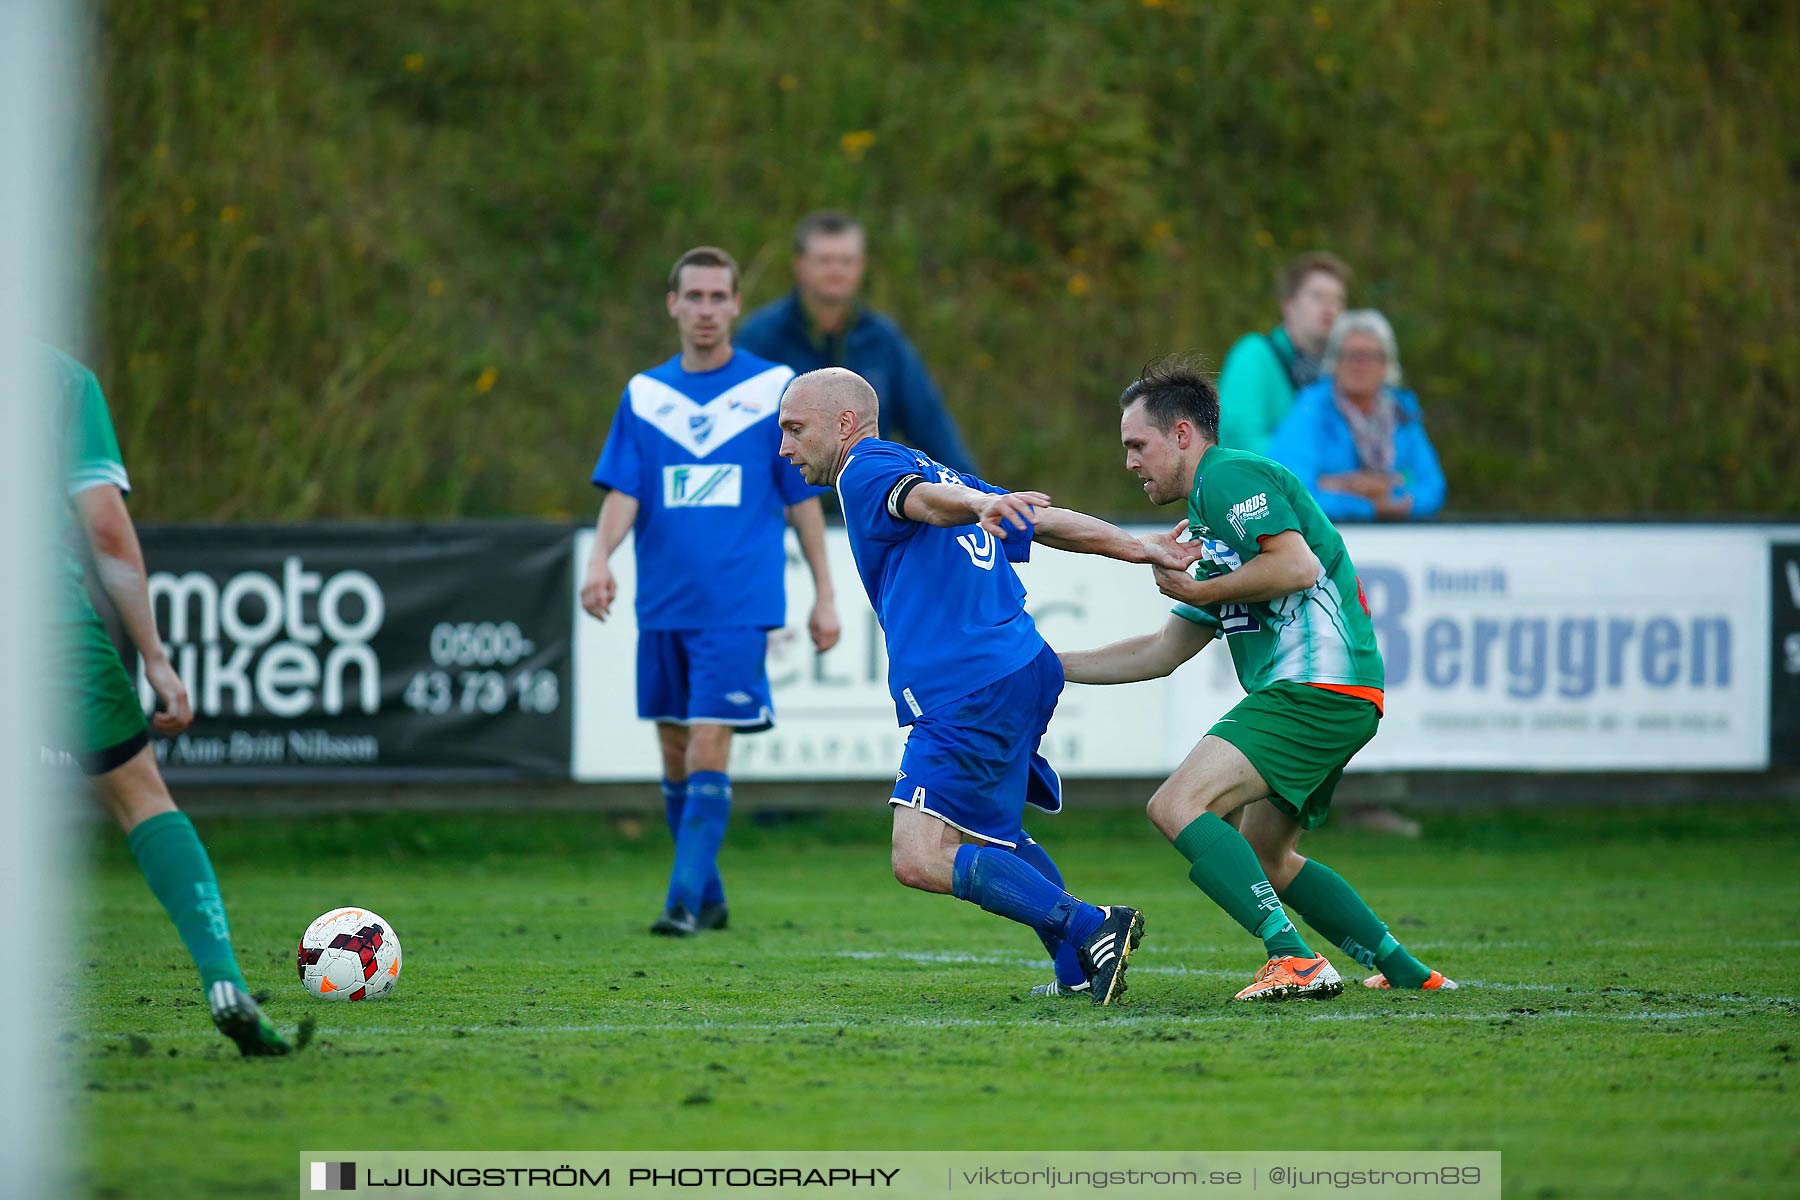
1103,955
241,1019
1057,987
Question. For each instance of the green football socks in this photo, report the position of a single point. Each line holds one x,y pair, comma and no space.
1331,906
175,864
1225,868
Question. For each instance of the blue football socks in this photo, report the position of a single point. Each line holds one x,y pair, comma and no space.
1065,954
704,812
674,802
993,878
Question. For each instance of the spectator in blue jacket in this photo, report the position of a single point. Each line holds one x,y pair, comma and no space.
1356,438
822,324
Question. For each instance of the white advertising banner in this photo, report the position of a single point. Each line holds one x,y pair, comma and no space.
1527,647
1558,648
834,716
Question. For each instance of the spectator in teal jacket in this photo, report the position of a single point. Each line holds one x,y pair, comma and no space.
1263,371
1356,438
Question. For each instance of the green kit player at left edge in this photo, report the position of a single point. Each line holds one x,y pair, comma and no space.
100,722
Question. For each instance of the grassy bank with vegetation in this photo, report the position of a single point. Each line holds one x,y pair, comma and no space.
398,260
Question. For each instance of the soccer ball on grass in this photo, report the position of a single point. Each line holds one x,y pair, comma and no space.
349,954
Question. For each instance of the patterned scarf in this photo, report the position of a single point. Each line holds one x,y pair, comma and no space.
1304,369
1373,432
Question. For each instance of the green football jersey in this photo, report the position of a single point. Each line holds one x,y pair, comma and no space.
89,458
1320,635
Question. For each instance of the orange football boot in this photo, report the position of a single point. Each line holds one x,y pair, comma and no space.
1435,982
1292,977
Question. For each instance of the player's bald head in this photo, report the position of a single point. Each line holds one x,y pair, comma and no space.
823,414
835,390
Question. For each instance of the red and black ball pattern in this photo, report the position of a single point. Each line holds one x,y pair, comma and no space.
363,943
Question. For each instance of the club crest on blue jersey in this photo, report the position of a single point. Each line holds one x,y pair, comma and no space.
980,548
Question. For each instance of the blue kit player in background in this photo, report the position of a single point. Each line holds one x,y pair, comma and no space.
967,668
692,471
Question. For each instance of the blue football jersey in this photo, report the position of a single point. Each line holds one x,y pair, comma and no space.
949,602
699,453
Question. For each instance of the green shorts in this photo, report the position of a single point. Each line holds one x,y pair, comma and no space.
1299,738
103,723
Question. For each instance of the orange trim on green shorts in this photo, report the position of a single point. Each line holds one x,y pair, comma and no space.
1372,695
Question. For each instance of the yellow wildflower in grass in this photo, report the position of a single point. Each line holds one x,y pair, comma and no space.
231,214
1080,285
1321,16
435,288
856,143
1327,64
1265,239
414,62
484,382
788,83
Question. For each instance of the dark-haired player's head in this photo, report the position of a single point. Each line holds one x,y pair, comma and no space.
1314,289
830,252
703,298
1169,417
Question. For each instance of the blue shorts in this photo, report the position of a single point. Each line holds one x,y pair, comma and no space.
705,677
975,765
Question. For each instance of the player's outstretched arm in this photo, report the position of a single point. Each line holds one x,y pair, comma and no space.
1067,529
1148,656
119,567
599,588
952,504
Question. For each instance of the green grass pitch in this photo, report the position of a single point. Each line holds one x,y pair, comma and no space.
1628,1029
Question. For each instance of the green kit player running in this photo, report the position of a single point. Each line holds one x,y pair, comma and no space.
1276,581
103,724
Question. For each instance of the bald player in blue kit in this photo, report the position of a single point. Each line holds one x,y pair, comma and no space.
967,668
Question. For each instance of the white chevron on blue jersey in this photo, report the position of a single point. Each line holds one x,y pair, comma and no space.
702,428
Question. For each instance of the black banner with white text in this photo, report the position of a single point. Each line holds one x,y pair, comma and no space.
1784,643
320,652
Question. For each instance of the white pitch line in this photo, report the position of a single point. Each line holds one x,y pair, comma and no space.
1109,1021
1000,960
935,958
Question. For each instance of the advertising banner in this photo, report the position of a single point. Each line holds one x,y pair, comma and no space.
1508,647
834,716
1569,648
365,651
1784,651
